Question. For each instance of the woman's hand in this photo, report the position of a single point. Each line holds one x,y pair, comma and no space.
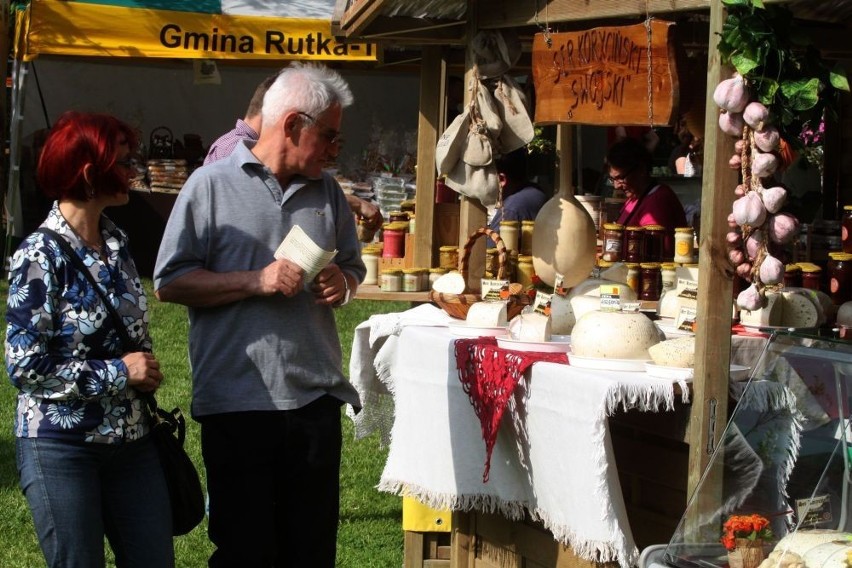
143,371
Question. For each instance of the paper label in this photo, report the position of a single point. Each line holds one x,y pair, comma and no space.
814,511
687,283
610,299
541,304
493,289
300,249
685,319
558,288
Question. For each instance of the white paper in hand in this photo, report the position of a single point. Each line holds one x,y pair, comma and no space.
299,248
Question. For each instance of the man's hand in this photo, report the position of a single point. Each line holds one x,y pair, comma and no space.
367,211
329,286
281,276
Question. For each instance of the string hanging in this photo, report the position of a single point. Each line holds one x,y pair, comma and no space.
545,29
648,21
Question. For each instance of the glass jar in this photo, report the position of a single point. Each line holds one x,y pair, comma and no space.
509,234
525,271
655,243
435,273
811,276
613,233
410,280
391,280
525,246
846,228
397,216
393,236
840,277
366,232
651,281
792,276
684,242
634,244
634,276
448,257
668,273
408,206
370,258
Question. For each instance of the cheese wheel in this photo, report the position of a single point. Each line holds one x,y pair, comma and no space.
771,314
803,541
677,352
800,310
450,283
581,305
828,555
592,287
614,335
530,327
672,302
487,314
562,318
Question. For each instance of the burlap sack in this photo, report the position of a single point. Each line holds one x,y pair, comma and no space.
451,144
489,111
495,52
477,149
477,182
511,104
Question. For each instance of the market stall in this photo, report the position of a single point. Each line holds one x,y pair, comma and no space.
708,411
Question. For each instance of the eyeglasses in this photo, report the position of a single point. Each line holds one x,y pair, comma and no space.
131,163
622,177
331,135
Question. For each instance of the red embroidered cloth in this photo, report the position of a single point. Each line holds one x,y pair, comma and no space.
489,375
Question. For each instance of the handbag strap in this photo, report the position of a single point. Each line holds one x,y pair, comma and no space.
126,342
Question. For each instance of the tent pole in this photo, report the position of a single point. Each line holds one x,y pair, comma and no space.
13,212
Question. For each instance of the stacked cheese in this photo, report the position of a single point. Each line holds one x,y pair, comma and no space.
792,307
614,335
487,314
677,352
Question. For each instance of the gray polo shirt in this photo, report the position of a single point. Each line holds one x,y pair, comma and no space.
260,353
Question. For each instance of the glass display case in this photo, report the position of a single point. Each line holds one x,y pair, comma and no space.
784,456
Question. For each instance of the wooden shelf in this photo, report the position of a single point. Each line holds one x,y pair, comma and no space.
373,292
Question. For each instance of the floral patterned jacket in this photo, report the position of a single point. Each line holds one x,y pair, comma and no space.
62,351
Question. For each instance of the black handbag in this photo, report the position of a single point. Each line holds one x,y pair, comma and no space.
168,429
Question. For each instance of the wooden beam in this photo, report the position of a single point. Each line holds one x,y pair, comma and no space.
356,19
433,77
713,336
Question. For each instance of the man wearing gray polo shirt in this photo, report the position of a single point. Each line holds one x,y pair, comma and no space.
263,345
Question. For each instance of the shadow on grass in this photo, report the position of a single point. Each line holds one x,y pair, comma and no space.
8,467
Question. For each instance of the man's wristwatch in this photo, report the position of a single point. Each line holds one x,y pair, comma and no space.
347,295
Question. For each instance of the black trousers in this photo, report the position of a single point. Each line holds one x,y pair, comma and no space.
273,478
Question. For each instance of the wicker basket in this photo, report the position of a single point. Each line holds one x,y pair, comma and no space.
457,305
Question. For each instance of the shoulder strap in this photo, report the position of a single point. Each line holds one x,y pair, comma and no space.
120,328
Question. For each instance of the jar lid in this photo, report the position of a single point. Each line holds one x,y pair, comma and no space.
528,222
391,271
792,268
649,265
633,265
613,226
371,250
605,263
438,270
509,223
410,270
634,228
683,230
841,256
809,267
492,250
524,258
847,207
448,248
396,226
654,228
668,265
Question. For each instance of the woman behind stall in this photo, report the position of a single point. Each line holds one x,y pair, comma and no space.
648,202
87,466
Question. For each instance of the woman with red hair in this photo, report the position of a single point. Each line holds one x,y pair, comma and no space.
87,466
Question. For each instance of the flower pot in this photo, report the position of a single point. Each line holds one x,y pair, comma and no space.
747,554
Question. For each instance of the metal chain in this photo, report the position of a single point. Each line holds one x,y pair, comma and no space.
548,41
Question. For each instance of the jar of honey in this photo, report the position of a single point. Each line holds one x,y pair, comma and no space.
391,280
448,257
612,242
634,278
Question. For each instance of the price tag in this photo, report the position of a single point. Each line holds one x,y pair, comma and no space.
685,319
610,299
558,288
541,304
493,289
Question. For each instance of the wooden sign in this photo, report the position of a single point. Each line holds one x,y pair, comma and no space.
600,76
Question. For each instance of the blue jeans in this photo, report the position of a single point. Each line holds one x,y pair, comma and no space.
274,482
79,492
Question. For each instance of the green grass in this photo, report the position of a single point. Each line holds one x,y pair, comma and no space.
370,522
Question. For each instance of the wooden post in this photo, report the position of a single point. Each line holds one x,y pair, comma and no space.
713,336
432,87
565,153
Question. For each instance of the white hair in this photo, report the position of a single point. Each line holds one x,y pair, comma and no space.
305,87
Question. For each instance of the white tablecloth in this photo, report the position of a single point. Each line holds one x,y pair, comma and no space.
555,460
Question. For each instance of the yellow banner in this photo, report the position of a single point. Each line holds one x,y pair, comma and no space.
56,27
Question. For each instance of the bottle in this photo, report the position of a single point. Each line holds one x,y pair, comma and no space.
846,229
525,271
448,257
370,258
525,246
651,281
655,239
684,242
509,234
391,280
634,244
612,242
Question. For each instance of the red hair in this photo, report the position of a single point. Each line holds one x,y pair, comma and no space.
76,140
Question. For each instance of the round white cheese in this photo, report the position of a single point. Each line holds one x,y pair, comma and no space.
614,335
450,283
562,317
677,352
487,314
844,314
592,287
530,327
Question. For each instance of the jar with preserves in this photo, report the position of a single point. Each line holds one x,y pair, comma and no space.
634,276
370,258
668,272
448,257
525,271
391,280
525,246
840,277
846,229
393,236
655,243
684,242
811,275
410,280
397,216
651,280
792,276
612,241
634,244
509,234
